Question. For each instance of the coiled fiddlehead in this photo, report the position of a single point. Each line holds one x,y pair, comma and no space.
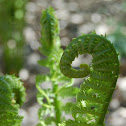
12,96
96,91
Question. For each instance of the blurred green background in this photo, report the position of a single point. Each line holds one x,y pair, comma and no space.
20,39
11,34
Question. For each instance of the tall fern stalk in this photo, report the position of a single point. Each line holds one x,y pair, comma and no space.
50,99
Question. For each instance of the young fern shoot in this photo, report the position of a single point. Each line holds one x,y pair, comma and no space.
12,96
96,91
52,106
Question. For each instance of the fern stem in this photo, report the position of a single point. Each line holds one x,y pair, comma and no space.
56,104
46,105
101,119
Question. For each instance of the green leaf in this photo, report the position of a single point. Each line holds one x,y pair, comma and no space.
46,115
40,98
44,62
68,91
41,78
67,107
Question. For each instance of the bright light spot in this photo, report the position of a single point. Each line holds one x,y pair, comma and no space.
19,14
35,45
102,29
65,41
83,103
63,14
86,28
96,18
123,112
77,115
29,34
11,44
33,58
76,19
86,59
114,103
24,74
122,86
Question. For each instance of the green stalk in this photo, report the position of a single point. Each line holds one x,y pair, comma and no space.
56,104
46,105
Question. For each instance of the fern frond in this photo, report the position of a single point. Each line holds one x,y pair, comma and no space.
12,96
96,91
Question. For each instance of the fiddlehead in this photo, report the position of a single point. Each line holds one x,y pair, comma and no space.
96,91
50,30
12,96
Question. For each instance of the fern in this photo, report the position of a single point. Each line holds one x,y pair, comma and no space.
52,106
12,96
96,91
50,31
